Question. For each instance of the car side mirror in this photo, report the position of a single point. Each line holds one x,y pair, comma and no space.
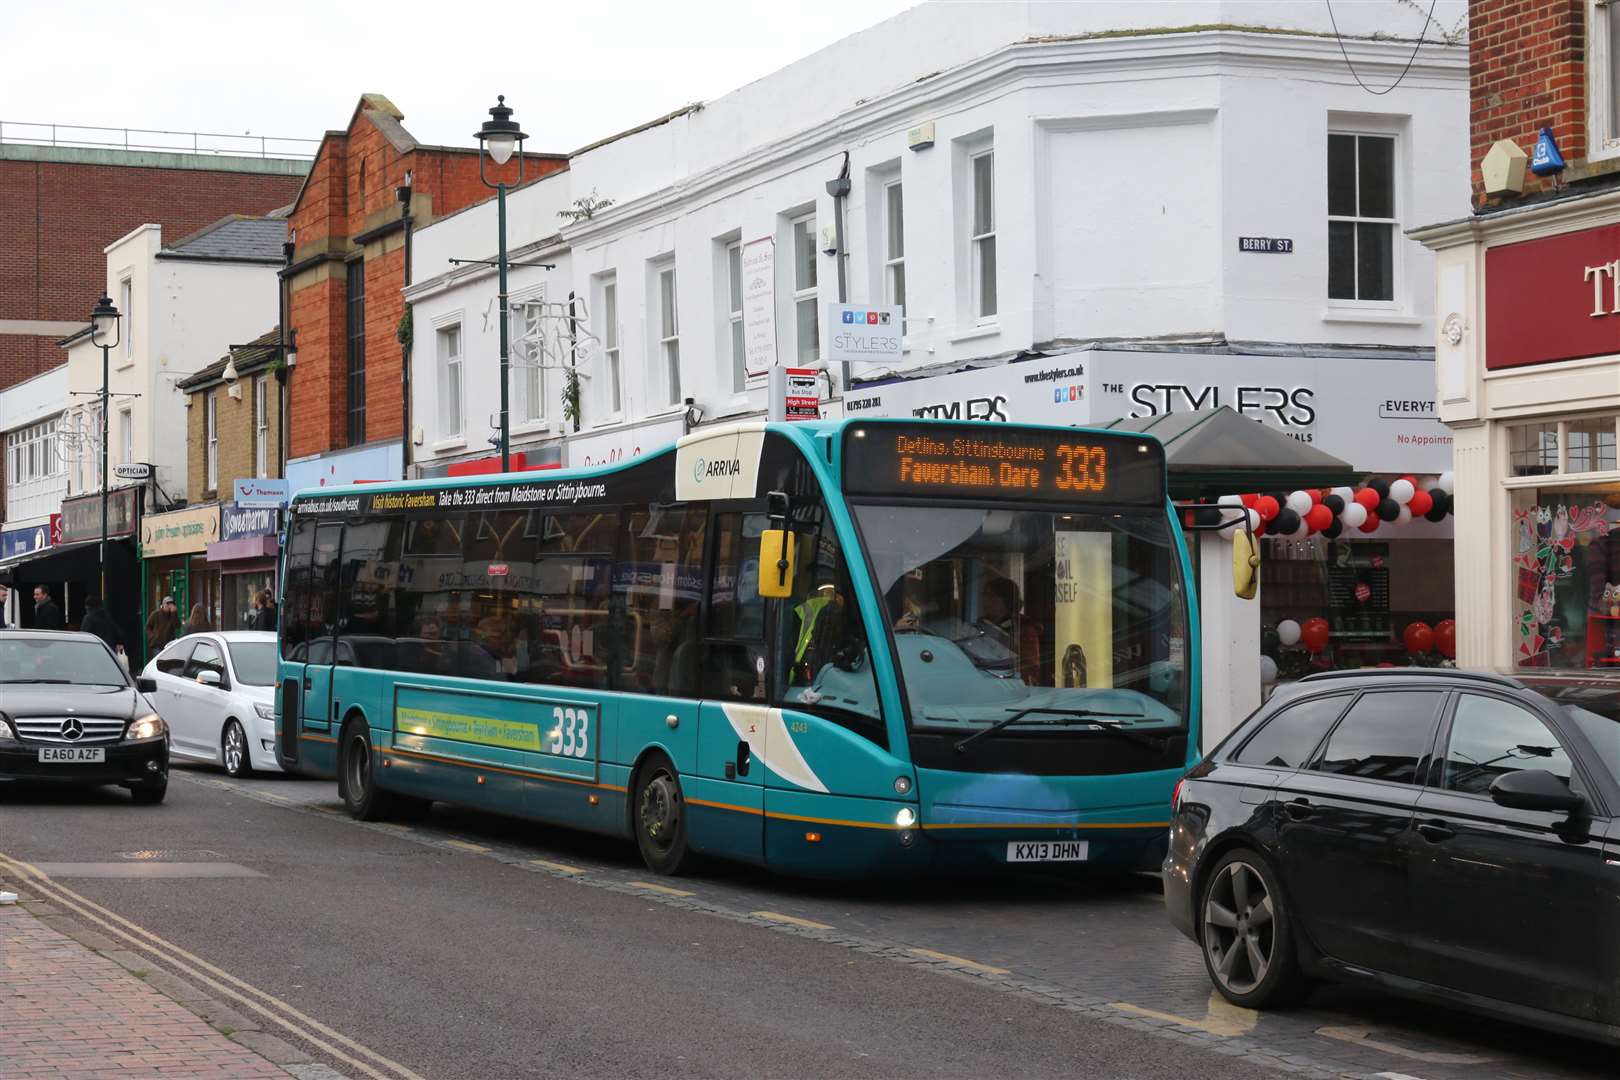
209,678
1535,789
145,684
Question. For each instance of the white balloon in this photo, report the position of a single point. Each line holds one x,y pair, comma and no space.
1268,671
1301,531
1445,482
1428,483
1402,491
1237,523
1404,516
1300,502
1347,494
1231,500
1288,632
1354,516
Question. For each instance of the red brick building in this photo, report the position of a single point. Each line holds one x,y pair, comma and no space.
60,206
348,268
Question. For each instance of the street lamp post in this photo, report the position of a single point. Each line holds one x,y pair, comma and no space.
104,324
499,136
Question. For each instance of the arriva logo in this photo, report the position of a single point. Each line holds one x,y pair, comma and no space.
698,467
704,469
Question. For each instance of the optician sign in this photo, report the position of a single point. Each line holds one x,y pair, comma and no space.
260,493
1377,414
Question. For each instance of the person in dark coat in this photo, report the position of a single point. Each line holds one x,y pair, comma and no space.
265,617
99,622
47,616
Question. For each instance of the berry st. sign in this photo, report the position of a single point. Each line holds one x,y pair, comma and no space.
1556,298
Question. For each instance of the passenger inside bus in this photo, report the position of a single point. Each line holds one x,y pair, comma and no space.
1001,613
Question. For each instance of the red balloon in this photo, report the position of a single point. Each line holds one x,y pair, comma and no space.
1410,479
1268,507
1369,498
1315,634
1421,503
1419,637
1250,500
1371,524
1318,518
1445,638
1260,528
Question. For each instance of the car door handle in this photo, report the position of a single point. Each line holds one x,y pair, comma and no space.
1435,831
1299,809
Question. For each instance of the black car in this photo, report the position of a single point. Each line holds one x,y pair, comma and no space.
70,713
1438,833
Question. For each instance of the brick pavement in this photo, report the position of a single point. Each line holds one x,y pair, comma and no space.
67,1012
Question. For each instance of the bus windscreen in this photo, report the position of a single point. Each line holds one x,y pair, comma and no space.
975,460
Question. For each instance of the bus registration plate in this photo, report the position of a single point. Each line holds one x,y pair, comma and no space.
1047,850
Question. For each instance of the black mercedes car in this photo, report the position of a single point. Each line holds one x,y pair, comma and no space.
1442,834
70,713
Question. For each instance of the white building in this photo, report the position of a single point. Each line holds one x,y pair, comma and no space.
35,474
1169,219
183,306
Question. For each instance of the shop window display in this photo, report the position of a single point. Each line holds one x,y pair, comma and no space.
1566,596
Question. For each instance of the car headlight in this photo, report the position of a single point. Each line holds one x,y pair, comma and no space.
266,712
149,726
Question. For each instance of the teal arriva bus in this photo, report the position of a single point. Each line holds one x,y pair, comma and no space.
843,648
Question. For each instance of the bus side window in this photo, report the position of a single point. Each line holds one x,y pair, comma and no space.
295,593
734,653
657,597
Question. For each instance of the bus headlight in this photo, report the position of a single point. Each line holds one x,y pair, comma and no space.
149,726
906,818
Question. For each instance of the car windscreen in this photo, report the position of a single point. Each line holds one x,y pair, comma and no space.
25,660
254,661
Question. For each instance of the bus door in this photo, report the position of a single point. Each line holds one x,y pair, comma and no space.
317,723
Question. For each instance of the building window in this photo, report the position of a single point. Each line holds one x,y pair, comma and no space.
734,316
211,433
126,308
261,427
31,454
1362,220
1563,548
807,324
126,436
894,246
609,307
356,326
984,235
92,445
1603,54
1590,445
528,355
669,334
450,407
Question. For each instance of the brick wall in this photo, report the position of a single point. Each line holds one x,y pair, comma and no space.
55,219
351,190
1527,71
237,434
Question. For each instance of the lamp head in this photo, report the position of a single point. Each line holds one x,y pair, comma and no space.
104,322
500,134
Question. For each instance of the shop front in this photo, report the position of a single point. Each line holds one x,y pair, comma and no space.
64,556
174,549
1529,376
245,555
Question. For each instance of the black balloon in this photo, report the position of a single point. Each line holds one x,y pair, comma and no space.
1332,531
1441,507
1207,516
1382,487
1389,509
1284,523
1333,503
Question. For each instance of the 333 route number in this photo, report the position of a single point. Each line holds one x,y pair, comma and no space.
570,735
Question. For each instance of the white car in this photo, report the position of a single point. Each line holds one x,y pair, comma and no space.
217,693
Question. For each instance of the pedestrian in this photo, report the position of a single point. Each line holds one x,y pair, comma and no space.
162,626
198,622
265,617
98,621
5,594
47,616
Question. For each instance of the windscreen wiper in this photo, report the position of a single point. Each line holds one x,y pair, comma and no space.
1094,716
61,682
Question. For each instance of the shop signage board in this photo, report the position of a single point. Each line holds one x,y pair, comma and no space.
260,493
802,400
245,522
1378,414
1266,245
1557,298
759,305
362,465
862,332
180,531
132,470
14,542
621,444
81,517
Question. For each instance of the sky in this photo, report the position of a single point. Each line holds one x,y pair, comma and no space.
573,72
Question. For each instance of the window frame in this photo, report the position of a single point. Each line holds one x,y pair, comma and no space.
1435,776
810,293
526,317
443,362
126,303
126,435
354,325
1393,223
211,440
979,241
894,265
667,346
261,426
736,337
1440,721
1560,470
607,302
1348,697
1603,96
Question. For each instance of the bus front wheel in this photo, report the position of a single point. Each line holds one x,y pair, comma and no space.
365,801
660,817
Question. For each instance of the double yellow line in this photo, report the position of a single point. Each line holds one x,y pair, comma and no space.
305,1028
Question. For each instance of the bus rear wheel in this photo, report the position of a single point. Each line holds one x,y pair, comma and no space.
659,817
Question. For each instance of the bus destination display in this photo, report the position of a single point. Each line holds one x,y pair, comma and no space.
956,460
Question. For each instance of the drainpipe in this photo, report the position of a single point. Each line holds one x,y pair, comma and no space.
839,190
283,303
403,194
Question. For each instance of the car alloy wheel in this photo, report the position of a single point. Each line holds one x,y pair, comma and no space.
236,751
1240,928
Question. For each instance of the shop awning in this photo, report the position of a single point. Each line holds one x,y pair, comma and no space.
1221,452
42,564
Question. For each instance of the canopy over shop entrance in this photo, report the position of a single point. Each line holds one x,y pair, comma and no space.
73,571
1222,452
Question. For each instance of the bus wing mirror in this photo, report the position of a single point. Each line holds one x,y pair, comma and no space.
1245,564
776,550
